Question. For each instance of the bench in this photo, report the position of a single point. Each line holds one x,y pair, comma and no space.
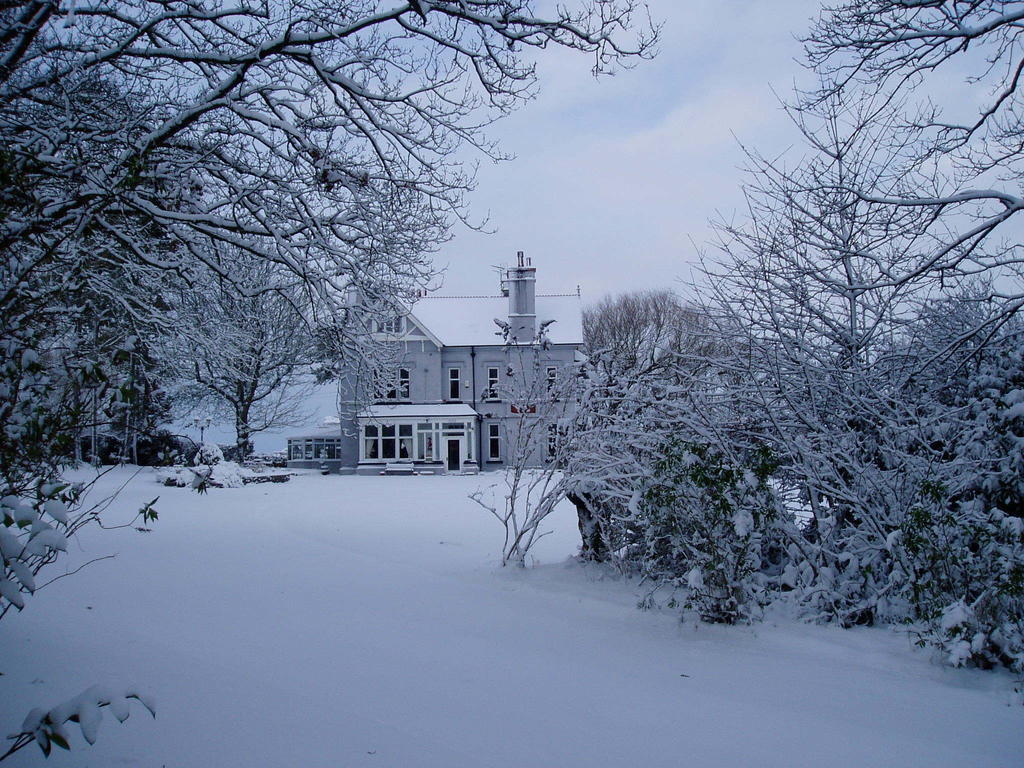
399,468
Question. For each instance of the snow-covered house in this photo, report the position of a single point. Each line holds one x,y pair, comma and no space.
444,407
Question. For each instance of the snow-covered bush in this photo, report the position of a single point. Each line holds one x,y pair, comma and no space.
210,469
634,393
709,526
619,425
911,495
224,474
33,533
966,584
201,477
665,483
967,546
208,454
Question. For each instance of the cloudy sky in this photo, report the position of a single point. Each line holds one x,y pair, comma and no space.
615,179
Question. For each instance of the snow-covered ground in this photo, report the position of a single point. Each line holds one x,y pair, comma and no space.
363,621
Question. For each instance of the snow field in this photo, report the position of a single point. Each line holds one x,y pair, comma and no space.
350,621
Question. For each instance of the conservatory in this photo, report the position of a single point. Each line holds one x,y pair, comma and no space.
320,449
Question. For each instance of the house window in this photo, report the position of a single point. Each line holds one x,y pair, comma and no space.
493,442
388,387
405,441
552,377
552,440
425,441
393,326
491,393
371,445
316,448
388,443
454,384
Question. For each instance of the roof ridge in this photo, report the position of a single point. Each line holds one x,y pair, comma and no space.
498,296
480,296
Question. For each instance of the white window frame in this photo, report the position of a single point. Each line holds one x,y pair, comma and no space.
365,439
494,442
408,431
392,389
491,393
457,381
393,327
388,440
406,442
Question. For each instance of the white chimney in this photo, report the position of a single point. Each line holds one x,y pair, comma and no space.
521,281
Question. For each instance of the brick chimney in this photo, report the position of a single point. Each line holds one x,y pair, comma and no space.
521,282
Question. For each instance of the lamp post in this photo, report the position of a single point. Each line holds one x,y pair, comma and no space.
201,423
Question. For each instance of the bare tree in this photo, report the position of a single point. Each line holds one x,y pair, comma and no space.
247,355
817,287
640,331
538,436
964,165
315,134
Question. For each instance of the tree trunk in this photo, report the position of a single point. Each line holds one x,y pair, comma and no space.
93,451
593,547
243,435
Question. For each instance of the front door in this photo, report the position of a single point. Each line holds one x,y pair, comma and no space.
454,455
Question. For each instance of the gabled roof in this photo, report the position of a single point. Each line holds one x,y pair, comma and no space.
469,320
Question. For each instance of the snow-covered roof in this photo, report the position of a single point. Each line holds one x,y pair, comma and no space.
424,410
331,431
469,320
